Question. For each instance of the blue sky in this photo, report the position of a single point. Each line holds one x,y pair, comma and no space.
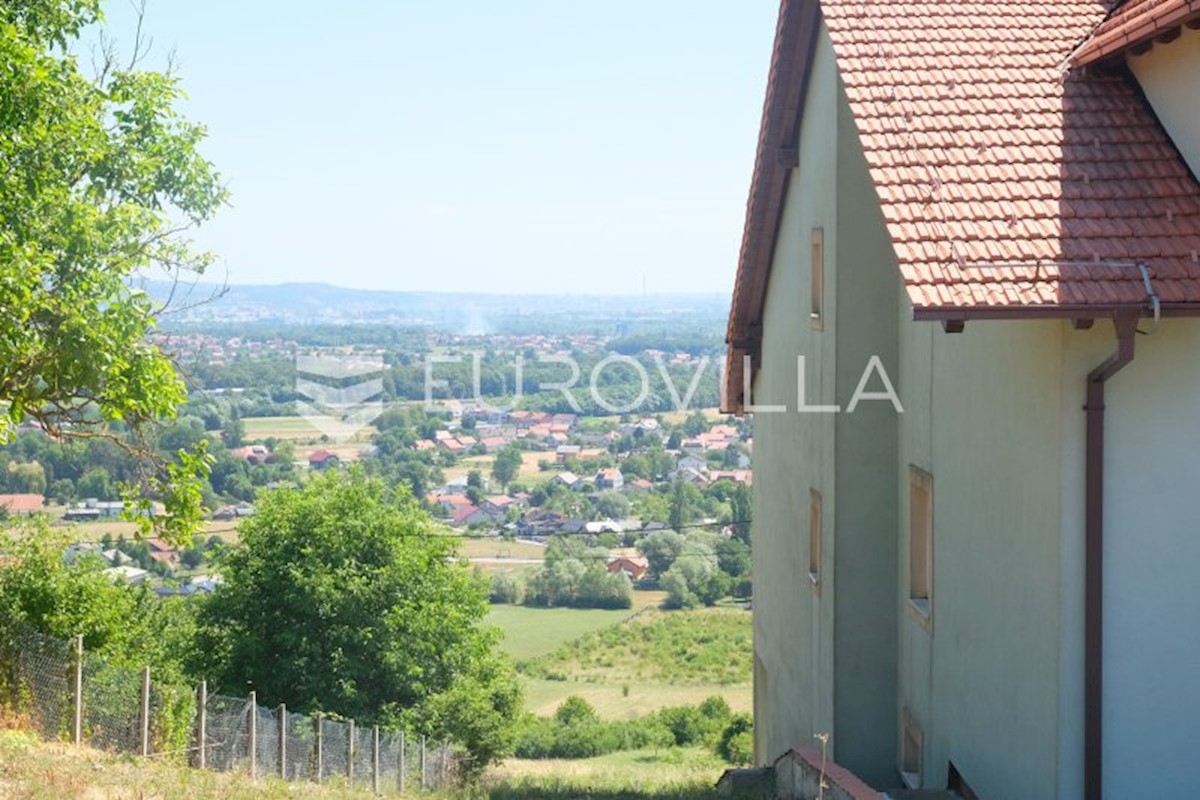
524,145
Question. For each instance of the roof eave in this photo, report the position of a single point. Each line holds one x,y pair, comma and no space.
783,108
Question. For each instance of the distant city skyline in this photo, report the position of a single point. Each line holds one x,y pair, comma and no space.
527,147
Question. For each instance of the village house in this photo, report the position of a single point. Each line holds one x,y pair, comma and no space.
633,566
22,505
568,479
465,516
610,478
964,321
252,453
323,459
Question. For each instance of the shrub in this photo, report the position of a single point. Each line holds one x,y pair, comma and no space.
737,740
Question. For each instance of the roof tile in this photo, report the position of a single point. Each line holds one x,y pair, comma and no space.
990,154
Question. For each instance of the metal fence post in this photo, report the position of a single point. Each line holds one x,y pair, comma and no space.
375,759
253,710
77,692
350,754
403,765
320,746
443,764
424,785
146,712
282,721
202,725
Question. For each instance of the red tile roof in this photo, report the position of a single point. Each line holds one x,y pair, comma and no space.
1002,182
1009,186
22,503
1135,23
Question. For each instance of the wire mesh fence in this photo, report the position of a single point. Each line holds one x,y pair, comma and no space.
35,682
66,694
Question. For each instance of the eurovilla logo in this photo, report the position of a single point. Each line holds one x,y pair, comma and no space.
340,393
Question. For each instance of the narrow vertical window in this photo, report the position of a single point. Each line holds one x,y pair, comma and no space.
814,537
816,314
920,541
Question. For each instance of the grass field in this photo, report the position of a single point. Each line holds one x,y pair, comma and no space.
499,548
93,531
666,774
628,669
703,647
532,632
294,428
34,770
613,700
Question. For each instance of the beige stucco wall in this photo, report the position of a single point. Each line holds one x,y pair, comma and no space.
868,281
794,453
826,653
1170,76
1152,563
981,680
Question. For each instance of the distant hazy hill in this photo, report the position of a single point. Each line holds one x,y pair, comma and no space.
312,303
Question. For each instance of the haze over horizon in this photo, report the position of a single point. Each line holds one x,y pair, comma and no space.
529,147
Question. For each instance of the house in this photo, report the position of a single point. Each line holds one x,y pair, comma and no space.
960,217
498,506
162,551
22,504
736,475
450,503
633,566
252,453
639,485
565,451
323,459
610,478
568,479
128,574
493,443
467,515
539,523
691,463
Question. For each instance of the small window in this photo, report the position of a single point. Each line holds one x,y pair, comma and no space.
910,754
816,314
920,541
814,537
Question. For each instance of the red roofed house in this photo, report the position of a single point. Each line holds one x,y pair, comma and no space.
633,566
323,459
22,504
610,478
960,217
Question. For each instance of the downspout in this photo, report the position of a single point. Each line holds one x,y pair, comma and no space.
1125,323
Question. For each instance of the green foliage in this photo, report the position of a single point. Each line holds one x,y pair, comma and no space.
40,590
575,574
736,744
101,178
507,464
660,549
339,598
508,587
703,647
575,730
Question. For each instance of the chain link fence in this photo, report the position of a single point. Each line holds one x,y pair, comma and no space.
65,694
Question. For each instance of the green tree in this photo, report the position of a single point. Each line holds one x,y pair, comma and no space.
233,431
101,180
507,464
660,549
96,483
342,598
742,512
